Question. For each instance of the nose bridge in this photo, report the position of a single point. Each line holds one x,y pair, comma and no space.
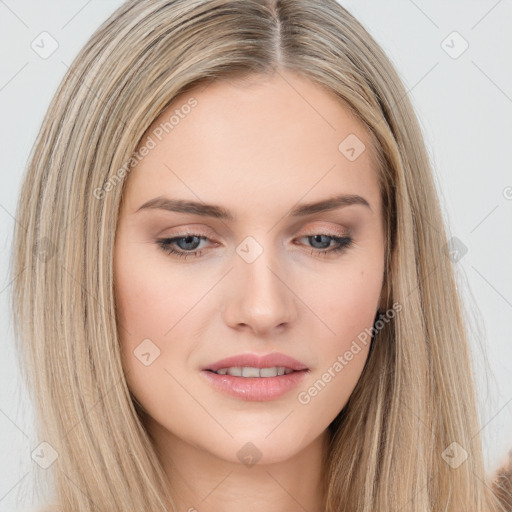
261,298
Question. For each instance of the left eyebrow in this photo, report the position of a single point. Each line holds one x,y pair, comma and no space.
218,212
331,203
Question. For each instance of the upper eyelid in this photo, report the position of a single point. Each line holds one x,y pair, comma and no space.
202,237
342,231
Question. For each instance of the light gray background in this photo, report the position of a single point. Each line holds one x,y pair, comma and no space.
465,109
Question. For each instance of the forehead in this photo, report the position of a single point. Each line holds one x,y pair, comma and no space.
255,139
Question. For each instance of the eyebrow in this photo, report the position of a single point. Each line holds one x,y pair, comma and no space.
219,212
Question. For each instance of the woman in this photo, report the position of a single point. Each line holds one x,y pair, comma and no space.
310,351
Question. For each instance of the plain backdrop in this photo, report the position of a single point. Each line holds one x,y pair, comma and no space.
455,59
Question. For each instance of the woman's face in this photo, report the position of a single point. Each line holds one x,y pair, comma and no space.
257,270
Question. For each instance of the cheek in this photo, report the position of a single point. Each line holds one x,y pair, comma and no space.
151,308
152,298
144,312
345,300
354,303
345,305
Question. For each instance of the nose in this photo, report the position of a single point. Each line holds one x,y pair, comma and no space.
260,297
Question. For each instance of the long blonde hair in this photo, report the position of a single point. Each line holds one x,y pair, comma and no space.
415,398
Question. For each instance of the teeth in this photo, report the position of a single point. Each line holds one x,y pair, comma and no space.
270,372
248,371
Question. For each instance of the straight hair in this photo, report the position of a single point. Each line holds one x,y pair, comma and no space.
416,395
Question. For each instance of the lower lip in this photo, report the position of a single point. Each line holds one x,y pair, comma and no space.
255,388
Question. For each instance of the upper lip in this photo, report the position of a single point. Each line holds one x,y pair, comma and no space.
258,361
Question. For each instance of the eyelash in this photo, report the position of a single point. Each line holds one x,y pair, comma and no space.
344,242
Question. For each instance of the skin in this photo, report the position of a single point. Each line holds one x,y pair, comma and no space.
258,148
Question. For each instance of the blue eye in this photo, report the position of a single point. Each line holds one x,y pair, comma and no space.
342,243
191,242
166,244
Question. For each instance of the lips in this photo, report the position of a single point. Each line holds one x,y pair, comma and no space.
257,388
258,361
